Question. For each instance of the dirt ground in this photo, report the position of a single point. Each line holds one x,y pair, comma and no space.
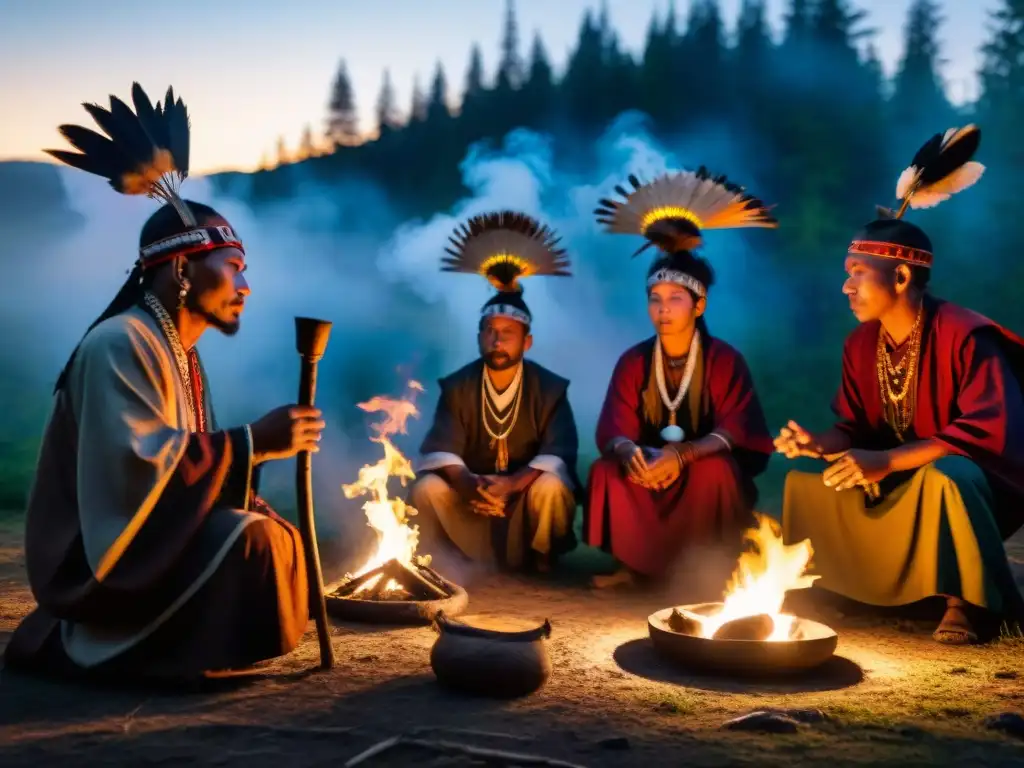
891,696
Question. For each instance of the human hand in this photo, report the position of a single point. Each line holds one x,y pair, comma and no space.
499,486
286,431
663,470
857,467
795,441
632,458
486,502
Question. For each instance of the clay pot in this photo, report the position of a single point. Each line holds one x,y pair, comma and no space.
501,658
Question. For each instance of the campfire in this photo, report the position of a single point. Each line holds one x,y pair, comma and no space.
394,583
748,631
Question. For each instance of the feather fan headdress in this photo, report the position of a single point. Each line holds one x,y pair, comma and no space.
672,211
145,152
504,247
942,167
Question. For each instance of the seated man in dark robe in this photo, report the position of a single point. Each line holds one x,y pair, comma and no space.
927,457
497,475
682,434
147,549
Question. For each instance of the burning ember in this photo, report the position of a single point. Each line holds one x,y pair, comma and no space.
394,572
751,608
747,633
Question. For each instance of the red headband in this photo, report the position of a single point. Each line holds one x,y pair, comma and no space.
891,251
189,243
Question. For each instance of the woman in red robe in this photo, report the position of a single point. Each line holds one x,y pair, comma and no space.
681,433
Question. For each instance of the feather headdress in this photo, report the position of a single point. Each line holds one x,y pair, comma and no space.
145,152
505,247
673,209
940,169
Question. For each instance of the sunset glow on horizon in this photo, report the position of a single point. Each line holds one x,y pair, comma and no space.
251,77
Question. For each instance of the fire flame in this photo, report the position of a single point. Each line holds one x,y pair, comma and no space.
764,574
389,517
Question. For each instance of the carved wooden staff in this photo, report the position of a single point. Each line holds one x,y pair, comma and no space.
311,341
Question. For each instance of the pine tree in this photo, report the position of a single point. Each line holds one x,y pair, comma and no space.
418,109
388,119
539,89
797,25
342,118
1001,114
307,147
437,107
281,152
474,75
510,66
919,97
656,62
582,85
702,51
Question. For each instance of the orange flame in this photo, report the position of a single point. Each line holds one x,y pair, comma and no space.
763,576
389,517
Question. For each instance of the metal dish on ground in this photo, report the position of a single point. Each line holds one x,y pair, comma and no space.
813,644
399,594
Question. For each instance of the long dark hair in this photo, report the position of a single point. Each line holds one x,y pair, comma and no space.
166,222
697,267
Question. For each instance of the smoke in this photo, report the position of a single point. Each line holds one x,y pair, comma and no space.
340,253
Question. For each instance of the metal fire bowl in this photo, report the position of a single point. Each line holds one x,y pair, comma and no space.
397,611
742,657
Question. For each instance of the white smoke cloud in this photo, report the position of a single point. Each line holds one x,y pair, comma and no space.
340,254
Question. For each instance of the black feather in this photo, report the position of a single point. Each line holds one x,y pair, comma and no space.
127,156
149,117
130,132
178,128
936,163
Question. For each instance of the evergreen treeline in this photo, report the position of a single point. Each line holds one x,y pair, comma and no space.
830,133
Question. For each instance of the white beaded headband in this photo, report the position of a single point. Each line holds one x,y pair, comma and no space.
666,275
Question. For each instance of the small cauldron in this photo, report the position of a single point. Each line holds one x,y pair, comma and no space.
491,657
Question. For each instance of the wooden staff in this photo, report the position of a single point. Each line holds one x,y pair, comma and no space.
311,341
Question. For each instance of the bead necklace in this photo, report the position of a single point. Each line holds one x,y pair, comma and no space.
178,350
673,433
488,394
899,404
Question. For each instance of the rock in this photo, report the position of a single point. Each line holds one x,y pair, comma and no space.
1005,674
748,628
683,624
763,722
1010,723
802,715
614,742
958,671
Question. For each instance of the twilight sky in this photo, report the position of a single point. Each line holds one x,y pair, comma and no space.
253,70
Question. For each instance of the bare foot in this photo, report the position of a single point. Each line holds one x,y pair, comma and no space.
955,627
621,578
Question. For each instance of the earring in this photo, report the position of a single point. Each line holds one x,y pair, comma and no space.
185,285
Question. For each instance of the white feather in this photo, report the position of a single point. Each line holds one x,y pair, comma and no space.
905,181
963,177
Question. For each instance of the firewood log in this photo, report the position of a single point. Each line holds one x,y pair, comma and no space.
747,628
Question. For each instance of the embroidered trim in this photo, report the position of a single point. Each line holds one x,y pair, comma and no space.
193,241
678,278
507,310
891,251
248,472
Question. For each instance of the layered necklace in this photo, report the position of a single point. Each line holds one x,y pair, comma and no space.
898,383
492,403
673,433
180,355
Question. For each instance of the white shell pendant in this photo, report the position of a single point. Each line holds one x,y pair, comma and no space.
673,433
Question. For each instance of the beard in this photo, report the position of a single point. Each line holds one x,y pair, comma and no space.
501,361
227,327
